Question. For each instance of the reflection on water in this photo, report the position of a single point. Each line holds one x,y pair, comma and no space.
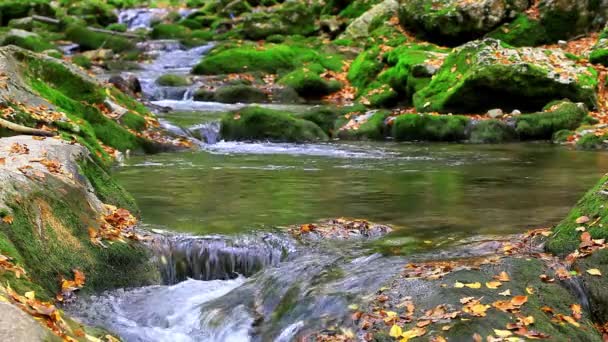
425,190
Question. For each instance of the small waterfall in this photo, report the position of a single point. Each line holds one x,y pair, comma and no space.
208,133
142,18
210,258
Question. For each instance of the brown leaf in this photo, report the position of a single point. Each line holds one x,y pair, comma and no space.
8,219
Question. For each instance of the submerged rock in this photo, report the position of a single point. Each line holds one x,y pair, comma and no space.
486,74
340,229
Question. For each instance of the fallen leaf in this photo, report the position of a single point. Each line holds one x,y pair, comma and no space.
577,311
594,272
493,284
475,285
8,219
519,300
530,290
503,276
395,331
458,285
582,220
502,333
507,292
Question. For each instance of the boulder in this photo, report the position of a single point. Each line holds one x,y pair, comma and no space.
486,74
452,22
256,123
564,19
599,52
359,28
17,326
129,85
27,40
288,18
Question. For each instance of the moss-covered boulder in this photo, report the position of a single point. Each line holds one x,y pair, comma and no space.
27,40
426,127
522,31
452,22
94,12
256,123
90,40
13,9
599,52
367,125
557,116
359,28
240,93
170,31
52,210
487,74
567,19
270,58
492,132
172,80
289,18
308,82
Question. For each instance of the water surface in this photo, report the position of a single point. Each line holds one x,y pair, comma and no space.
427,190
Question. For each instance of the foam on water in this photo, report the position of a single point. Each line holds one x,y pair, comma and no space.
164,313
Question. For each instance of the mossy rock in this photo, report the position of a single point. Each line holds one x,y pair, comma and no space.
487,74
373,128
256,123
13,9
523,31
324,117
309,84
590,142
27,40
452,22
492,132
170,31
205,95
567,19
240,93
543,125
94,12
599,52
425,127
82,61
565,238
172,80
289,18
90,40
272,58
117,27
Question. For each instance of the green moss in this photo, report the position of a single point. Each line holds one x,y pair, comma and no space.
365,68
272,58
106,188
33,43
424,127
49,237
82,61
323,117
467,83
255,123
308,83
492,132
542,126
133,121
373,129
562,136
288,18
94,12
523,31
240,93
172,80
170,31
590,142
13,9
566,238
90,40
117,27
356,8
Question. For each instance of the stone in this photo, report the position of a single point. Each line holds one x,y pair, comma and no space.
495,113
516,112
486,74
21,33
359,28
99,54
17,326
129,85
452,22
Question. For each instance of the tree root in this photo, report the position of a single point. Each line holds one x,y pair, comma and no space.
24,130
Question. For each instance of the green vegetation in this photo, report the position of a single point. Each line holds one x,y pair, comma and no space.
31,42
90,40
523,31
172,80
170,31
543,125
255,123
426,127
308,83
82,61
492,132
240,93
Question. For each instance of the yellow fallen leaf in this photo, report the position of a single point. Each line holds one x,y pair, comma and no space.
503,276
530,290
594,272
493,284
502,333
458,285
475,285
395,331
30,295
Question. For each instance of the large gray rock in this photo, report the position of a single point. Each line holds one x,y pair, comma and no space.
359,28
17,326
452,22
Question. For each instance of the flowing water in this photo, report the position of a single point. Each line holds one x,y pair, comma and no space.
230,272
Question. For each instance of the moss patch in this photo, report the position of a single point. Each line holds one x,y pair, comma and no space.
424,127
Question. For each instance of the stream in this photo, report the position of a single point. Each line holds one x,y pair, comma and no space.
230,272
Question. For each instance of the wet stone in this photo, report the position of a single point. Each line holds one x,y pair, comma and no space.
339,229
